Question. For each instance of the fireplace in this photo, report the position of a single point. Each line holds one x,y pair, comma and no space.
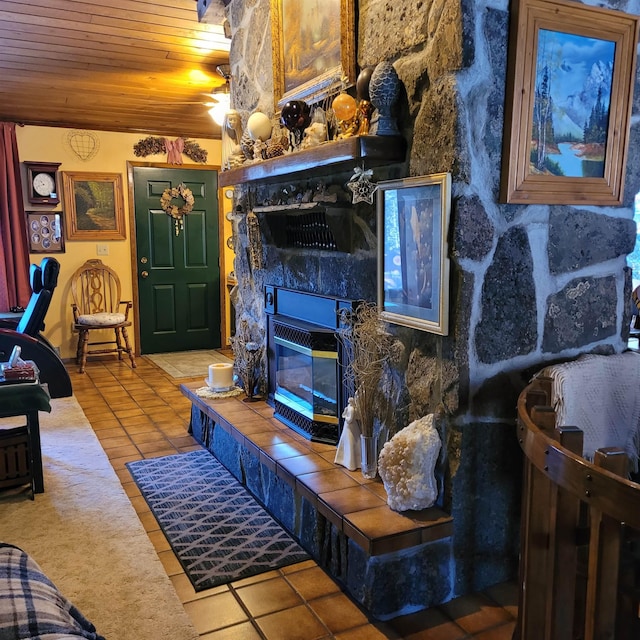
305,361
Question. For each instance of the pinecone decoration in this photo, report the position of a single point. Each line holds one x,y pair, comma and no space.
278,144
246,144
275,148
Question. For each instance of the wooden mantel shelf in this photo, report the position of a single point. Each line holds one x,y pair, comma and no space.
337,155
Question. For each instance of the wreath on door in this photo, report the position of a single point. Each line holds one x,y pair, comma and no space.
173,210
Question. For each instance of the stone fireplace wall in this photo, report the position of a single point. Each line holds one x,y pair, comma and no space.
530,284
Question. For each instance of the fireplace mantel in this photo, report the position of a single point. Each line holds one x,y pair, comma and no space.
326,158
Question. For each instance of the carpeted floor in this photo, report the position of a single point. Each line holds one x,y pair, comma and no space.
88,539
215,527
187,364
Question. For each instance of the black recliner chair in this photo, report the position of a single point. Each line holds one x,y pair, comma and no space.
27,333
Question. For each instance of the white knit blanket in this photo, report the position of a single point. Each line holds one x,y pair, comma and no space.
601,396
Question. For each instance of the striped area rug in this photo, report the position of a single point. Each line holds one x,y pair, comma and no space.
218,531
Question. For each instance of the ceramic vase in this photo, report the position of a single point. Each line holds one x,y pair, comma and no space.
368,456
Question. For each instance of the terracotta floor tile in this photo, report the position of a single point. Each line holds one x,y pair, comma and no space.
215,612
260,577
368,632
147,427
338,612
120,452
300,566
304,464
284,450
139,504
177,430
506,595
324,481
503,632
159,541
119,463
297,623
183,441
475,613
131,489
154,446
118,441
123,414
187,593
268,596
160,453
427,625
113,432
146,436
243,631
148,521
170,563
312,583
136,421
351,499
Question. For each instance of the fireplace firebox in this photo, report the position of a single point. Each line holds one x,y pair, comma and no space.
305,360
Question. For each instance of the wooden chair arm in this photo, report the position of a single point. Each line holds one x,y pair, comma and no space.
127,306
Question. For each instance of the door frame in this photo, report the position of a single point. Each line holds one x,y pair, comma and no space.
131,164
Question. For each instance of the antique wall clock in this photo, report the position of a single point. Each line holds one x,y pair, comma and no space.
42,182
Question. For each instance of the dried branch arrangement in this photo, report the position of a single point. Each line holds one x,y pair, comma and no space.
368,347
248,358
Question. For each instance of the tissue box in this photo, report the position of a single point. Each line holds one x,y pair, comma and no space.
26,371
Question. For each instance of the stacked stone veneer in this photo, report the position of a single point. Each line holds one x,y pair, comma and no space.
530,284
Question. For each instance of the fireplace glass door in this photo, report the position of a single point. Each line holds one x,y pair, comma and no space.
307,381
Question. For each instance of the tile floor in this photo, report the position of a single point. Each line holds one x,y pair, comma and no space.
141,413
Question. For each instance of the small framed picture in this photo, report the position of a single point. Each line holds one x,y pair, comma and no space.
413,260
45,232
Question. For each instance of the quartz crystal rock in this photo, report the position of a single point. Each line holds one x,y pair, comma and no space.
406,466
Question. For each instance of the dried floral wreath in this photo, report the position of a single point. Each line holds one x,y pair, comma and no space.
173,210
154,144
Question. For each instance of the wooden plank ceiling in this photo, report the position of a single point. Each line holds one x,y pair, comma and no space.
142,66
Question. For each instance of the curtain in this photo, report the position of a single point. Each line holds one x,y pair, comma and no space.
15,289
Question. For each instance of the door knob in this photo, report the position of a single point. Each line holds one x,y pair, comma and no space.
144,274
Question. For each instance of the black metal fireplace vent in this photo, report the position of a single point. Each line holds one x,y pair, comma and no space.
311,338
317,431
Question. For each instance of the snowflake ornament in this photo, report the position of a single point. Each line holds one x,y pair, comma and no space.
361,186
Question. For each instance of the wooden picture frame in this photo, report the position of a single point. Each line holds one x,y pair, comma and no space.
46,234
413,261
566,138
302,72
94,206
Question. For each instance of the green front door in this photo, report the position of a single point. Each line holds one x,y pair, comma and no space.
178,273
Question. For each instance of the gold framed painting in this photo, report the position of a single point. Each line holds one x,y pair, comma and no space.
568,108
313,48
94,206
413,258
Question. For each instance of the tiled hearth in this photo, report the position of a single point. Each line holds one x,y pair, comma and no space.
260,450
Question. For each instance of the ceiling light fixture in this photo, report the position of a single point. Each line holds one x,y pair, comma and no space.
221,96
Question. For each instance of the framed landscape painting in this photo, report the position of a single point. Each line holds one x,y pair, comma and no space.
569,94
413,260
313,48
94,206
